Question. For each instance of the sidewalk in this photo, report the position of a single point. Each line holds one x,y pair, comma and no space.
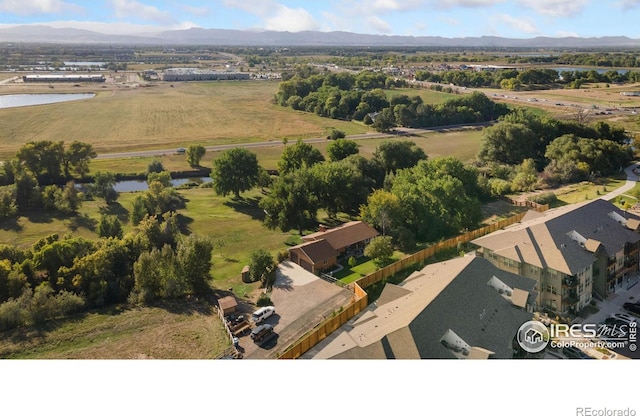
613,303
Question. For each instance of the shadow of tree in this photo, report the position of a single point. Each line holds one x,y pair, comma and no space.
83,221
184,224
116,209
247,206
10,224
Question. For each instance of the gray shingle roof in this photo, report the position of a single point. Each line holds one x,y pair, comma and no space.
544,240
412,318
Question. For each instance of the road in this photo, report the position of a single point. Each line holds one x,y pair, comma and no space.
401,131
632,179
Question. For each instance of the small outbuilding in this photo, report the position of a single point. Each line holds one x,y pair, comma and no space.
227,304
245,275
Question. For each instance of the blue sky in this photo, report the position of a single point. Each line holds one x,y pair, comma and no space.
447,18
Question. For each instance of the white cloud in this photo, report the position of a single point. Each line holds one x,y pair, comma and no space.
450,4
196,11
555,8
35,7
379,25
523,25
563,34
133,9
292,20
629,4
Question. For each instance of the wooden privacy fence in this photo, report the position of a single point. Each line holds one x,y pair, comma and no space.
324,329
359,300
428,252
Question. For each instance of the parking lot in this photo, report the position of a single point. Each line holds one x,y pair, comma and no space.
301,300
628,292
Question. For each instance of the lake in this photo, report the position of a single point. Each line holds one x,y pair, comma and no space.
24,100
134,186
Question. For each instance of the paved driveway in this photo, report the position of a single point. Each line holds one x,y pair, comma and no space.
302,301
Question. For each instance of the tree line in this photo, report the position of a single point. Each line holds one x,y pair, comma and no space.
534,78
344,95
524,151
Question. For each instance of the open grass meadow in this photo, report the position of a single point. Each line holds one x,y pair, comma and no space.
126,118
184,330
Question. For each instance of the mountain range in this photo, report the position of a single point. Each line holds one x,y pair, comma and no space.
228,37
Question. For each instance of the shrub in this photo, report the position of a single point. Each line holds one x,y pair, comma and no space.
264,300
544,198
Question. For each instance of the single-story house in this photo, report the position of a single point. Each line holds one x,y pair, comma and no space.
321,250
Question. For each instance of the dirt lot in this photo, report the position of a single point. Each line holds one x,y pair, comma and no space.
302,300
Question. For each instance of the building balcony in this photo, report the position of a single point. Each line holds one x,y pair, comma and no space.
570,298
571,281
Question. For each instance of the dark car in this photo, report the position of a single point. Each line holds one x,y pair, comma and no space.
261,332
575,353
632,307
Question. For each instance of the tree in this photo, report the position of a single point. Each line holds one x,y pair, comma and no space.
341,148
384,121
381,211
292,202
43,158
260,263
299,155
336,134
110,226
8,208
27,191
339,187
380,250
401,154
155,166
195,153
103,183
71,198
508,143
77,157
193,262
138,209
235,171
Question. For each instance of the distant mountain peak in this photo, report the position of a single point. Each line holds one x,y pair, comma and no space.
228,37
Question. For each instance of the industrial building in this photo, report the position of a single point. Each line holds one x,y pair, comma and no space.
193,74
64,78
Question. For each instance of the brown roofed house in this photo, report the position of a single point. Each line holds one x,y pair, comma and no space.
320,251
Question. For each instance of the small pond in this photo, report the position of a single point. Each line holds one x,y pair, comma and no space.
23,100
134,186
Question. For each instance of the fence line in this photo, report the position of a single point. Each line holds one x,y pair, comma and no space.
359,300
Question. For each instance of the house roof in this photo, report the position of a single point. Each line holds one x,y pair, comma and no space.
227,302
316,251
449,299
565,238
344,235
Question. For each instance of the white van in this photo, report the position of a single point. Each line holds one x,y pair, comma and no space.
262,314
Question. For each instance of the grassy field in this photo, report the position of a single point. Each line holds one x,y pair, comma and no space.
124,118
186,330
463,144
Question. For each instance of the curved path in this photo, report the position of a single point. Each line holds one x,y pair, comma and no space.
632,178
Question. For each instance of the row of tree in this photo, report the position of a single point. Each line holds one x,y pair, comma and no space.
513,79
360,97
524,150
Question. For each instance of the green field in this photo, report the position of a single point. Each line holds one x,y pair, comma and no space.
185,330
122,118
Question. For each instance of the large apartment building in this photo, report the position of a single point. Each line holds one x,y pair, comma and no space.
573,252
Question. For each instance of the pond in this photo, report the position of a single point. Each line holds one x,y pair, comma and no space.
23,100
135,186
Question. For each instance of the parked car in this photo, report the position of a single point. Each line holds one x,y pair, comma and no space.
181,150
575,353
632,307
262,314
261,332
623,317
